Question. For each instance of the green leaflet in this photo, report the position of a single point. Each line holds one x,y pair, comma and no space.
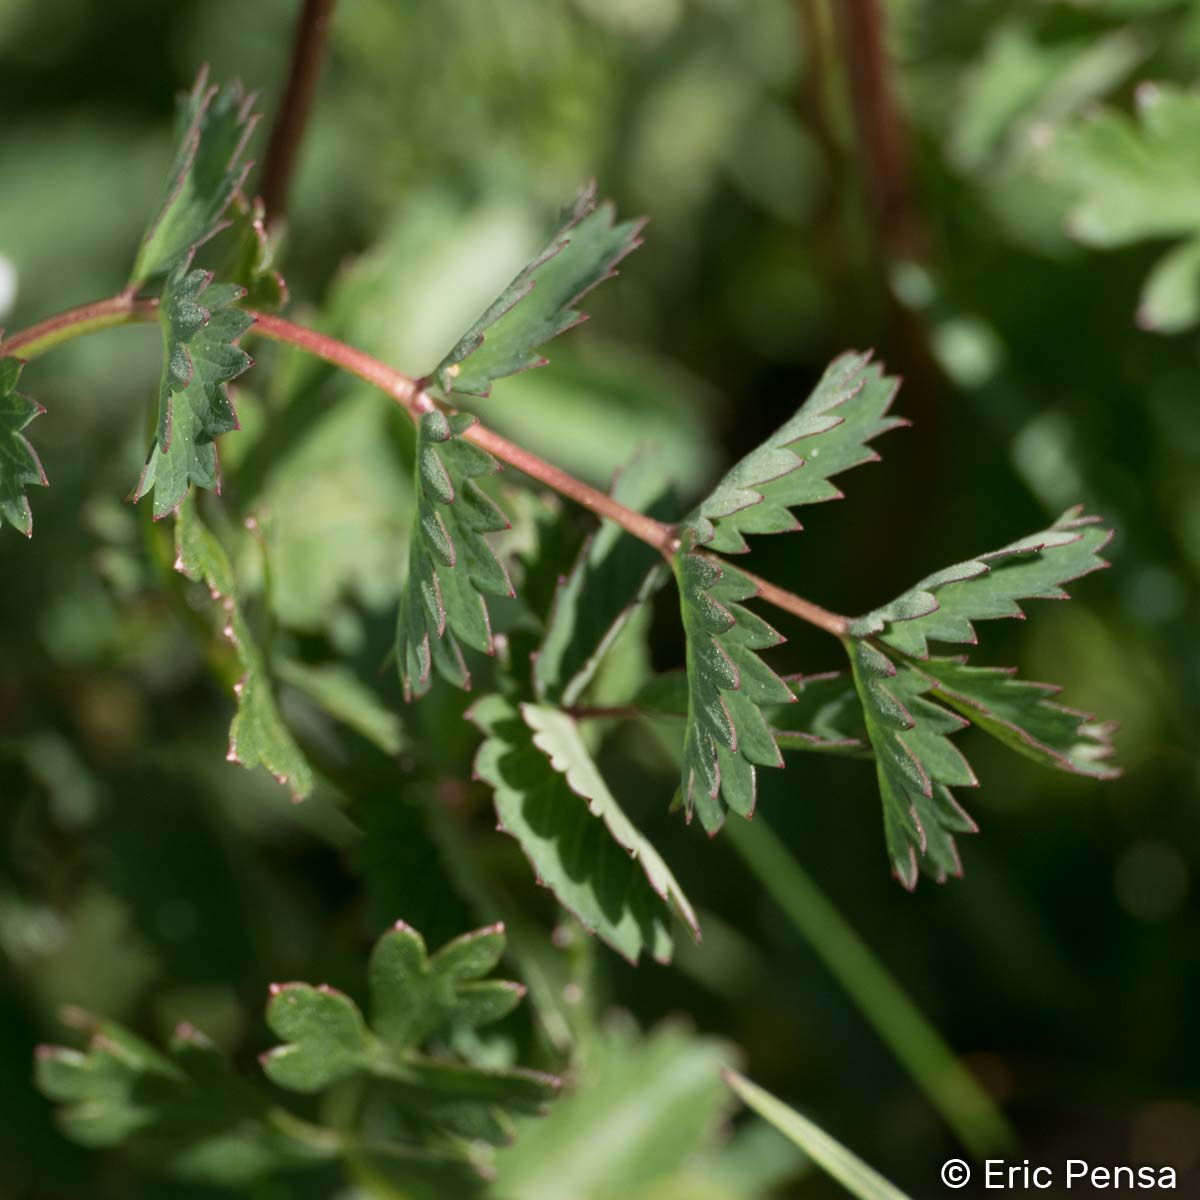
414,996
19,463
184,1112
250,256
727,734
830,1155
916,765
829,434
943,606
258,734
553,800
613,575
213,127
200,325
538,304
1021,714
450,565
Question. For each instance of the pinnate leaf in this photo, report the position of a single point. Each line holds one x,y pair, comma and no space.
728,684
539,303
944,606
19,463
201,325
258,735
916,765
414,996
213,128
451,567
552,798
829,434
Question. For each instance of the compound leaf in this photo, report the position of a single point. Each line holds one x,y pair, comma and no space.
200,324
728,685
450,565
258,734
183,1112
213,127
1022,715
19,463
943,606
829,434
415,996
539,303
916,765
551,797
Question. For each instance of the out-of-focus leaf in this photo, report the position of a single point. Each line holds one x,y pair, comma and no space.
19,463
340,693
183,1113
643,1107
612,576
552,799
258,734
830,1155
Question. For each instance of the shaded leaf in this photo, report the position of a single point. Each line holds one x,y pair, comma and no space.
258,734
728,685
916,765
539,303
450,565
19,463
1022,715
614,574
338,691
184,1113
943,606
415,996
829,434
201,325
552,799
212,129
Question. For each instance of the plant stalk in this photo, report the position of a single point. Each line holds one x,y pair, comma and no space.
126,309
308,53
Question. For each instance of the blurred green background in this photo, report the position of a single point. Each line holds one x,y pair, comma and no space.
144,878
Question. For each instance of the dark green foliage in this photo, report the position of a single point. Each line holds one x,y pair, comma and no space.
539,303
19,464
201,324
551,797
727,735
450,564
213,128
829,434
183,1113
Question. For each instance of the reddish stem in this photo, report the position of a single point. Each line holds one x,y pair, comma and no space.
308,52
